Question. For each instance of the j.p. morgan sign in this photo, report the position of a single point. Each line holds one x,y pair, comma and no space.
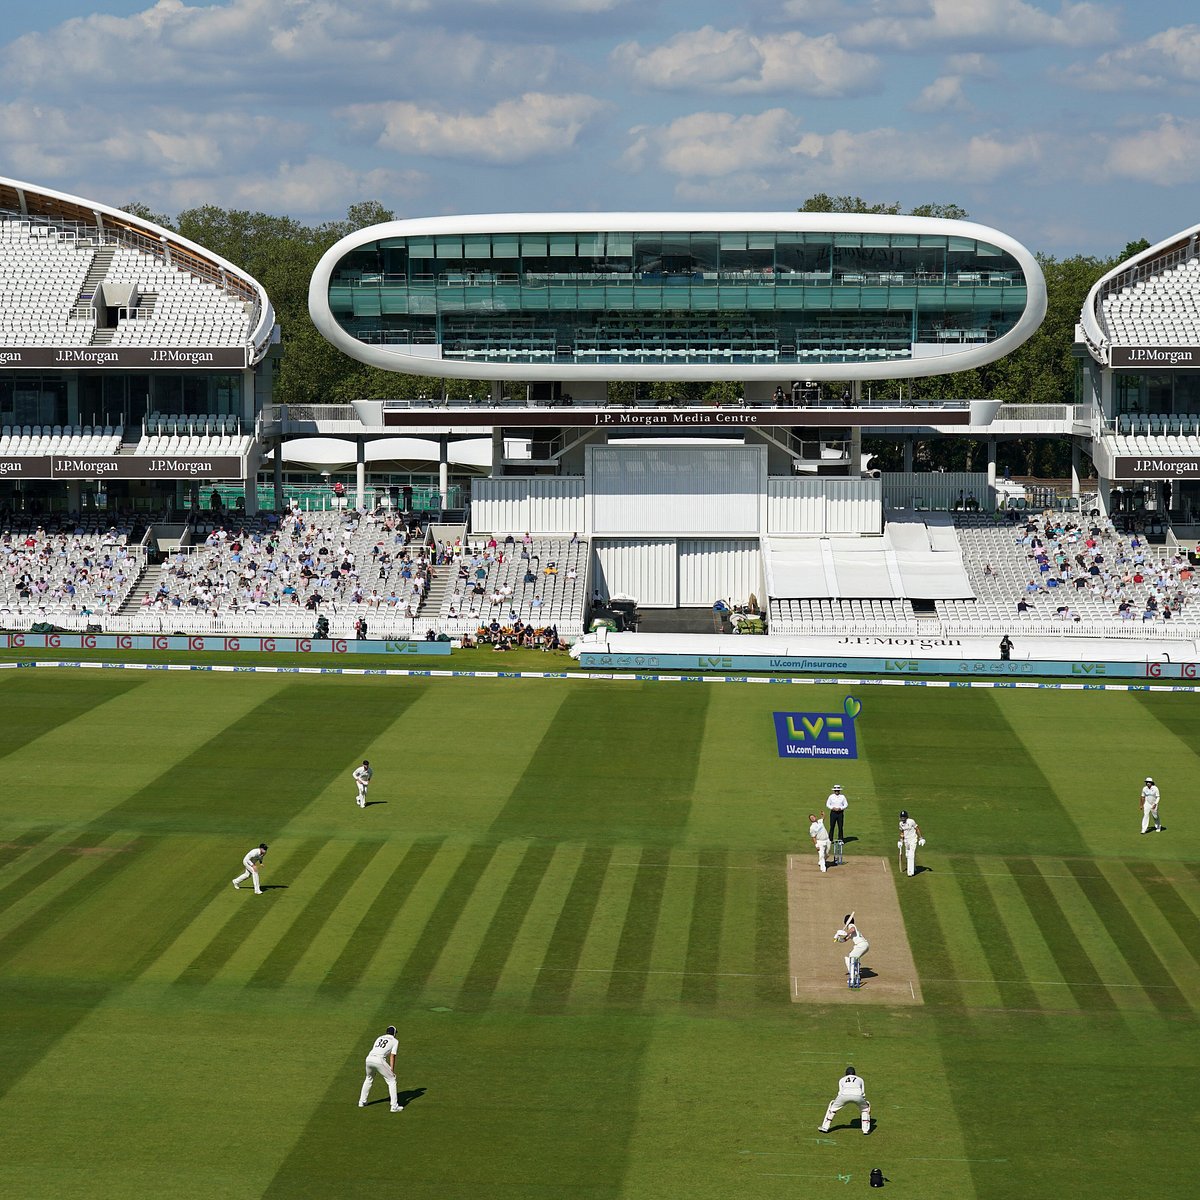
55,466
123,358
1156,467
1154,356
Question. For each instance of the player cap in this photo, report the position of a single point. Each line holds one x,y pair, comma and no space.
849,1068
904,814
837,787
392,1030
262,845
1148,779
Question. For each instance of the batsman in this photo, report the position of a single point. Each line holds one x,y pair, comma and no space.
858,947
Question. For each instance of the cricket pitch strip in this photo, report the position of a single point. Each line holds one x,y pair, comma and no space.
816,905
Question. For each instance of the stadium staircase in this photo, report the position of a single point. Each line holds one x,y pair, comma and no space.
147,582
101,261
431,606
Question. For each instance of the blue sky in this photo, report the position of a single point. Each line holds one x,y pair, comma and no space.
1074,127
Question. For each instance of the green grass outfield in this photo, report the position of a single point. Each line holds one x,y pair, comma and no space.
572,904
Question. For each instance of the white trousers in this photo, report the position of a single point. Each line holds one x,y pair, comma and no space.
1149,813
249,873
823,848
910,853
857,952
378,1066
864,1108
362,794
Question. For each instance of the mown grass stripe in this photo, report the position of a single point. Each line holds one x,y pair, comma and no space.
367,938
99,871
1133,945
1074,964
610,743
422,958
481,979
627,983
213,787
553,987
1169,901
668,960
772,980
519,974
248,912
937,962
40,703
274,970
20,846
736,946
33,875
992,935
700,983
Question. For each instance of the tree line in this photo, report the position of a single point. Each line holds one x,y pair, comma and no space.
282,253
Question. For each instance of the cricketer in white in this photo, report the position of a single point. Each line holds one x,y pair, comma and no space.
381,1060
852,1089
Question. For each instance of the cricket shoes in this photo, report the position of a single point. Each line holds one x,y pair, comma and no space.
362,1104
397,1108
822,1129
237,887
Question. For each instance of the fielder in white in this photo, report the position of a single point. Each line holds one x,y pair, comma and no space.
1149,806
251,862
910,839
851,1090
820,839
382,1061
858,944
362,779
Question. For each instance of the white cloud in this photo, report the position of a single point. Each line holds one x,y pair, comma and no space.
711,143
972,66
944,94
315,185
1166,60
987,24
704,147
245,47
1166,154
736,61
531,126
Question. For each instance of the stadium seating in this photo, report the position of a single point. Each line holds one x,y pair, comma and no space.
1163,310
77,441
68,573
42,271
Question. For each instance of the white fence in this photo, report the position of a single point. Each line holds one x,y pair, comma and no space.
683,572
940,491
824,505
537,504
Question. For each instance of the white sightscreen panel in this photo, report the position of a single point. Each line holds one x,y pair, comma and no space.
853,506
644,568
534,504
796,505
676,490
556,505
712,568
